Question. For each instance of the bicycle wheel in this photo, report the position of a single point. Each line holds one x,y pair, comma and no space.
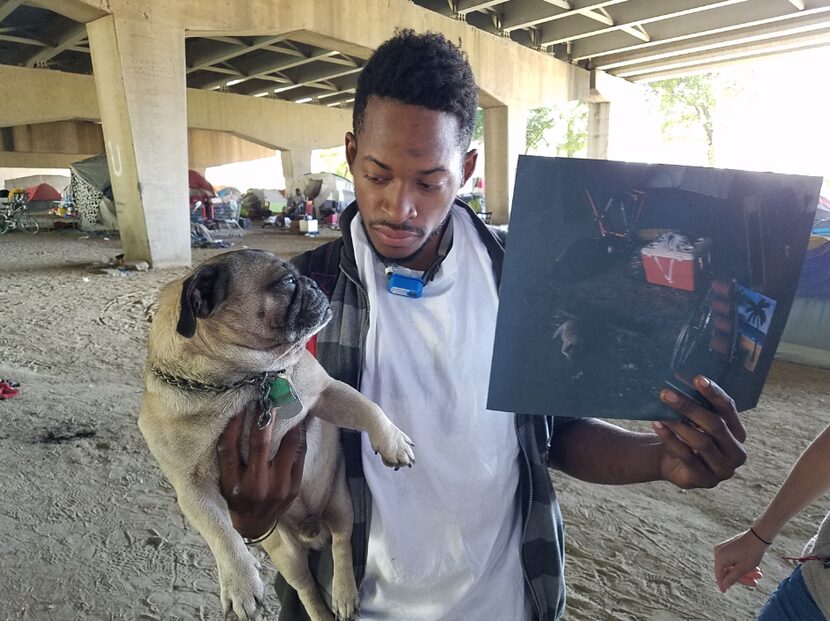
5,223
28,223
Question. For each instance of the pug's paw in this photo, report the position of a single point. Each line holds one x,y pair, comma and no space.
344,599
241,591
395,447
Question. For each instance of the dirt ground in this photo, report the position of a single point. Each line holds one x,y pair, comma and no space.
90,530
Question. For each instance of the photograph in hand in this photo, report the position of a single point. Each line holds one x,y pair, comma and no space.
622,279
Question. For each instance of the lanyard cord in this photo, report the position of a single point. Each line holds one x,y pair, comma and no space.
443,249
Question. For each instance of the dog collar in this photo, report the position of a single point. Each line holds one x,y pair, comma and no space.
277,394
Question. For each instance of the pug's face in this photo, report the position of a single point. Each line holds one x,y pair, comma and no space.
254,300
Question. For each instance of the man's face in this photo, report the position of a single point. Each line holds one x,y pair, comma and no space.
407,167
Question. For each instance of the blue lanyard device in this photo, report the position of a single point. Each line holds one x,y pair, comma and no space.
402,284
410,283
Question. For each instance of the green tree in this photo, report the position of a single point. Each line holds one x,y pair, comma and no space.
688,102
576,131
571,120
478,129
539,121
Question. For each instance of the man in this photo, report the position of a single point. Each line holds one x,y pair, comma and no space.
473,531
295,205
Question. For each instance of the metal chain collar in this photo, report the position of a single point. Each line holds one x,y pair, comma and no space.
189,384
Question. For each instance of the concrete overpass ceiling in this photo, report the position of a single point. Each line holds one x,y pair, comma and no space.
645,40
639,40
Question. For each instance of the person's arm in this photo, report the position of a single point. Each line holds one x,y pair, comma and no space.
702,450
737,559
259,492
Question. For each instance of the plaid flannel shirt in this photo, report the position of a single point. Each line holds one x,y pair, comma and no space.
339,349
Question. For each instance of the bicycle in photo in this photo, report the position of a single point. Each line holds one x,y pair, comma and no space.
16,216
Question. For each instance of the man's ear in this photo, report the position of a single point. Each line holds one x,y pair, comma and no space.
202,292
351,150
469,164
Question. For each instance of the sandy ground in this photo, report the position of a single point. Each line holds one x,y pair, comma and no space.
90,530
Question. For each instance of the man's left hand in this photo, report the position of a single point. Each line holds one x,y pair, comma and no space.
706,447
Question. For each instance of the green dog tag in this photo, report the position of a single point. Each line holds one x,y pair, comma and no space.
284,398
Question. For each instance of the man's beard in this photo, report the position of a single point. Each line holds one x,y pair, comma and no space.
438,230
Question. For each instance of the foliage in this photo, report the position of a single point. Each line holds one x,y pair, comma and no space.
334,160
539,121
689,101
564,126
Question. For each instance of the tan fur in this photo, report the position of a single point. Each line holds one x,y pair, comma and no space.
239,338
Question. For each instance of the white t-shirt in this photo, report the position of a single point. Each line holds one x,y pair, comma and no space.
444,541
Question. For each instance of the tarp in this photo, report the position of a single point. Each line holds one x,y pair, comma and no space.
92,194
229,193
94,172
199,185
814,282
806,339
328,191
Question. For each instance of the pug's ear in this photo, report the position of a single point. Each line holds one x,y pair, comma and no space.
202,292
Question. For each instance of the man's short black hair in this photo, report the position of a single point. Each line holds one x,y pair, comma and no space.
420,70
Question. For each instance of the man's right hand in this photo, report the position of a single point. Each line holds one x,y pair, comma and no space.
259,492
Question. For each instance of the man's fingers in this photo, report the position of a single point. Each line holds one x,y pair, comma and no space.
703,448
683,451
299,464
724,406
285,473
707,433
258,453
228,449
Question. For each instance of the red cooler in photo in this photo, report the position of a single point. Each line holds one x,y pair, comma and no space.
672,268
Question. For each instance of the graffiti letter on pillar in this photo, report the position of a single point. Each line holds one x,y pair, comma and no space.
115,158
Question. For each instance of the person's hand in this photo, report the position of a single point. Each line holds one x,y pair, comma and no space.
737,560
259,493
706,447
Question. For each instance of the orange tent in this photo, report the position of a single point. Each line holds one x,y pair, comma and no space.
43,192
42,197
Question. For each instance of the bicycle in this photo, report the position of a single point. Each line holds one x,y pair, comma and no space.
16,216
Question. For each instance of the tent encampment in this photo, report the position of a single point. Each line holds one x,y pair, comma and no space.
329,192
42,197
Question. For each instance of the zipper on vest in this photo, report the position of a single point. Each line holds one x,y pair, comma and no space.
526,520
364,331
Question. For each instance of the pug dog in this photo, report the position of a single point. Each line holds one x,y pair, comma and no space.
231,338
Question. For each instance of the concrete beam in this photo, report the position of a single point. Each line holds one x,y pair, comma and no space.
209,148
275,124
356,29
272,123
49,96
16,159
80,10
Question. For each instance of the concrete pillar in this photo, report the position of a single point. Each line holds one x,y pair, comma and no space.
598,114
504,140
139,70
295,163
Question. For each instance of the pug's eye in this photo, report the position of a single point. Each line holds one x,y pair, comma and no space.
289,280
